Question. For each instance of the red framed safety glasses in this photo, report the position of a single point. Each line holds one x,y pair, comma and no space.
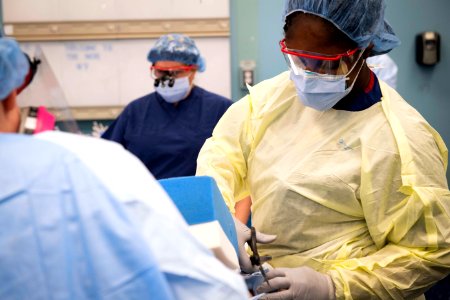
174,72
331,64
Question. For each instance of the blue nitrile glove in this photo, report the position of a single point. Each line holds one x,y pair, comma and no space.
297,284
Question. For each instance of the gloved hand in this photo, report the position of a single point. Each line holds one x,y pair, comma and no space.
297,283
244,235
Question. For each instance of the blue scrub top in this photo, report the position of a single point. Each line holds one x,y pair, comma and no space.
165,137
363,99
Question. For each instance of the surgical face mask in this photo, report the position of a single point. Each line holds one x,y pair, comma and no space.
177,92
321,91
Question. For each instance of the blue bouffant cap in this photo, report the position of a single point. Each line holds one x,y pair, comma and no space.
177,47
361,20
13,67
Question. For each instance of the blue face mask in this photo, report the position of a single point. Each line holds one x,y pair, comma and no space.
320,91
177,92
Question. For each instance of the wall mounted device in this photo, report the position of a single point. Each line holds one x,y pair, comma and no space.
247,70
428,48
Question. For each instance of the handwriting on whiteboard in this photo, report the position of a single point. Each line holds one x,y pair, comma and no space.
83,54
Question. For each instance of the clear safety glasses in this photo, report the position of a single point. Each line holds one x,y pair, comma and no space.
172,72
337,64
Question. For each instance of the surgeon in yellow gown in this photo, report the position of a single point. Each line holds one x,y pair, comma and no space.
338,165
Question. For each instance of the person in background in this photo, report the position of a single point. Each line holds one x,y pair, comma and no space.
385,68
82,218
166,129
348,176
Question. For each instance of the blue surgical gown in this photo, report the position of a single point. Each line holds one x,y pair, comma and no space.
74,225
168,138
63,235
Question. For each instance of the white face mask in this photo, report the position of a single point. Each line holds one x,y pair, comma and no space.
177,92
322,92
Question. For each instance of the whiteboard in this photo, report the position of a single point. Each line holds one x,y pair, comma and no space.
115,72
16,11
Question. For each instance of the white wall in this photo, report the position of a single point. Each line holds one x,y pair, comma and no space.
115,72
84,10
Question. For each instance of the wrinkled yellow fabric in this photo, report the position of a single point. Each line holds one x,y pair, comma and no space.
361,196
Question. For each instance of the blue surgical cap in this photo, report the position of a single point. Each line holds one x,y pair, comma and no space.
361,20
177,47
13,67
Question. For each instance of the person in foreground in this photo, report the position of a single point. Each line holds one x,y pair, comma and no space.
347,175
73,225
166,129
